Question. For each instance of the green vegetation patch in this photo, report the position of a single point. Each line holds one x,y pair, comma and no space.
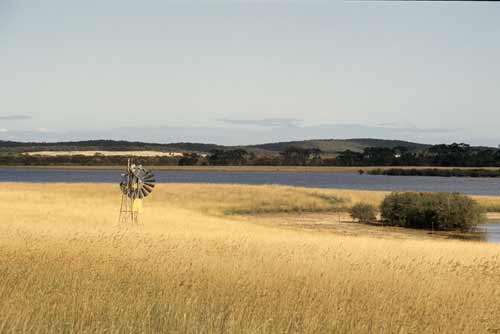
363,212
439,211
313,203
454,172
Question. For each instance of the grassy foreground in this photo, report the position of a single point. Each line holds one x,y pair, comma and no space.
194,267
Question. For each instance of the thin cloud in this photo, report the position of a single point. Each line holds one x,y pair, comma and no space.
267,122
14,117
251,135
413,129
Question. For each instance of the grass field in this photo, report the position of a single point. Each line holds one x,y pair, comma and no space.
200,264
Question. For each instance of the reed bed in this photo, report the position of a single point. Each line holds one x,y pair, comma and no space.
66,267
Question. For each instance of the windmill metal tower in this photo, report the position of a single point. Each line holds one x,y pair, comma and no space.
136,184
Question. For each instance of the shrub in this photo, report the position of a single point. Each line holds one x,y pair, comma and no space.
440,211
363,212
455,172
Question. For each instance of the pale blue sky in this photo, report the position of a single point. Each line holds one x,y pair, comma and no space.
217,70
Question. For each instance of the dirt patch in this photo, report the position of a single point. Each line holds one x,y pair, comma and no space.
342,223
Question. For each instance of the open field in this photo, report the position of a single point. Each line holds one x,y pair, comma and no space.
234,199
209,258
108,153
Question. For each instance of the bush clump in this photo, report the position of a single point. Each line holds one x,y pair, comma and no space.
363,212
453,172
440,211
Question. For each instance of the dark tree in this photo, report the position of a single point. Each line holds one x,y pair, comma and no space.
236,157
349,158
189,159
298,156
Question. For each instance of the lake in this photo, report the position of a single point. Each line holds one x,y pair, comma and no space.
471,186
492,232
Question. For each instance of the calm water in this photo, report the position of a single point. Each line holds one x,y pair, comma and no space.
472,186
492,232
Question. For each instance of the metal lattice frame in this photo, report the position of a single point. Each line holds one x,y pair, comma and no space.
136,184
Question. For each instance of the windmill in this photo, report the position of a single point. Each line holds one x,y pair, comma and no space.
136,183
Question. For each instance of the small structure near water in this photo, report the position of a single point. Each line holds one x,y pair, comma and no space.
136,184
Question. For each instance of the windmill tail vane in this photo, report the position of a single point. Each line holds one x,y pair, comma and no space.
136,183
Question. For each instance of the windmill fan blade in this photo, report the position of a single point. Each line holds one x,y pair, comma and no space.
146,191
138,182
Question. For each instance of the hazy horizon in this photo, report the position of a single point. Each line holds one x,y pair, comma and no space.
249,72
257,143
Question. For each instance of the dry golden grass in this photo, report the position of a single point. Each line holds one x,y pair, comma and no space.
237,199
65,267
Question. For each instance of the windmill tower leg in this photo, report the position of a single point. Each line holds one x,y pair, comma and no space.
126,216
126,213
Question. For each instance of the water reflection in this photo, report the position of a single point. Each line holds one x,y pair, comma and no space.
492,232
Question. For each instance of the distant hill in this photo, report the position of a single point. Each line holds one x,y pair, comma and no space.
331,146
104,145
339,145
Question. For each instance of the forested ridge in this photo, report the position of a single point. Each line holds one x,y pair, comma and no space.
306,153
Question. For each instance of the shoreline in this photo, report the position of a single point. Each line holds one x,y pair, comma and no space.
234,169
246,169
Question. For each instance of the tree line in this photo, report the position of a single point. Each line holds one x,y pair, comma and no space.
448,172
457,155
81,160
216,157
